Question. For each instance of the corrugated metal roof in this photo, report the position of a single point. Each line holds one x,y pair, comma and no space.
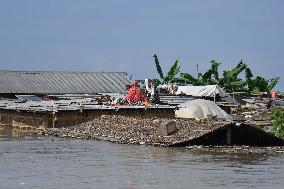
70,105
48,82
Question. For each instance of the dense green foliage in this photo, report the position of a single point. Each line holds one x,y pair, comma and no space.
230,80
277,118
210,77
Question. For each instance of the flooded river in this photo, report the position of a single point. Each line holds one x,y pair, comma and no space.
52,163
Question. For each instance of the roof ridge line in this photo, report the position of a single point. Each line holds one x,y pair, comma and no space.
19,71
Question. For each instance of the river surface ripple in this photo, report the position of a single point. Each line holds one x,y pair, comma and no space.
53,163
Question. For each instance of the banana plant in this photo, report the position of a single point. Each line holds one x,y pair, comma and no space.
210,77
230,80
172,73
260,84
170,77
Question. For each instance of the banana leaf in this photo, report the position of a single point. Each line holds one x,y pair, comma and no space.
273,83
248,74
237,83
211,75
189,78
158,67
233,73
174,70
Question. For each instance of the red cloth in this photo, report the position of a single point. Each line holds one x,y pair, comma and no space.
135,93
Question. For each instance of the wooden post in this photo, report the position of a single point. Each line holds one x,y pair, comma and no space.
53,119
12,121
229,135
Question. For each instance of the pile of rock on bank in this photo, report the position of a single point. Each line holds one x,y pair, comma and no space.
135,130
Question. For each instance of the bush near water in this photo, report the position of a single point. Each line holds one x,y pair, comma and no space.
277,118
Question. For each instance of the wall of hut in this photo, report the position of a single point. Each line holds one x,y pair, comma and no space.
33,121
70,118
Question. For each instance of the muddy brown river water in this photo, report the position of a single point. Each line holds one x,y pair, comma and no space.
54,163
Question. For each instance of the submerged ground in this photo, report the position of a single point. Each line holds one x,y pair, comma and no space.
49,163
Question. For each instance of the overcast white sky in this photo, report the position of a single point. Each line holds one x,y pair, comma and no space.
123,35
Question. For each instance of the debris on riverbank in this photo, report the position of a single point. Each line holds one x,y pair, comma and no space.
166,132
238,149
130,130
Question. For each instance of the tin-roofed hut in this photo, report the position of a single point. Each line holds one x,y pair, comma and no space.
53,82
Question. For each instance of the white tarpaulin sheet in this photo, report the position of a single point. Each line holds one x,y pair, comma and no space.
206,91
201,108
